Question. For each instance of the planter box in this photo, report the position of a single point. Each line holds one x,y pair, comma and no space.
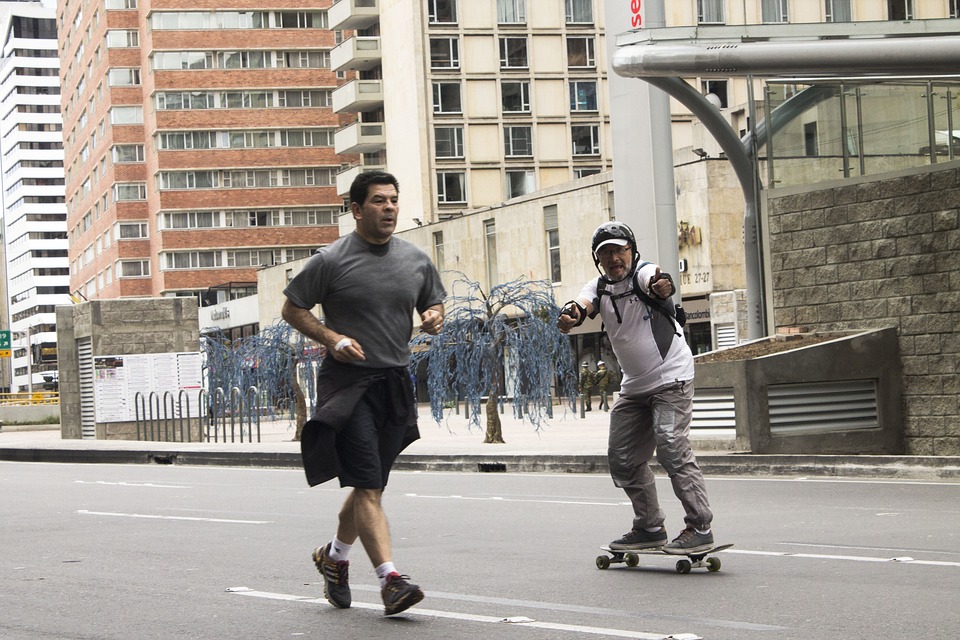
831,393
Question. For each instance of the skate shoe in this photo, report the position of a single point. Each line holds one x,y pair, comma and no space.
335,574
689,541
399,595
636,539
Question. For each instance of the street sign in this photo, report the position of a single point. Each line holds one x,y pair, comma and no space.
4,344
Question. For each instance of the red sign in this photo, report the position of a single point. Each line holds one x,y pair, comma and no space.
636,10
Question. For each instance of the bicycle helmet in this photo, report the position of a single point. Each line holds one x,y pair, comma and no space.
616,233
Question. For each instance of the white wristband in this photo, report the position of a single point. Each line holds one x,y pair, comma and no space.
343,344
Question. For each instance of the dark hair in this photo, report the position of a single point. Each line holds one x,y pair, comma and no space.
361,184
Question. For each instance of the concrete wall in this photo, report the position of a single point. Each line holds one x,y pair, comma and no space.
875,252
118,327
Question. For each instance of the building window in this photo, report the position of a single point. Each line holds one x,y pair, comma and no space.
580,52
839,10
583,95
192,259
774,10
810,145
517,141
900,9
128,153
448,142
123,38
177,60
513,53
134,268
444,53
442,11
123,77
131,230
583,172
126,191
578,11
121,5
520,183
451,187
511,11
586,139
296,59
490,235
446,97
515,96
438,249
710,11
301,19
552,229
717,88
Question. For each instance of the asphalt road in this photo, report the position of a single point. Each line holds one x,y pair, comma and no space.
127,552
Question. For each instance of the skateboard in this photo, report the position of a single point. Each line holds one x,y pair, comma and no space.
631,558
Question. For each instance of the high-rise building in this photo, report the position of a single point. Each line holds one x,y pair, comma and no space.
471,104
198,143
32,177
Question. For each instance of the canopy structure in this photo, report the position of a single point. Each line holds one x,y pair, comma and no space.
664,56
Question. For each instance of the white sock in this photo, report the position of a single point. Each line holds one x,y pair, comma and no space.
385,570
654,530
339,550
703,533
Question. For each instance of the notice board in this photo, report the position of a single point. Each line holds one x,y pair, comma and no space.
118,379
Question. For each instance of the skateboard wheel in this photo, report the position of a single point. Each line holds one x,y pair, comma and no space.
603,562
713,564
683,566
632,559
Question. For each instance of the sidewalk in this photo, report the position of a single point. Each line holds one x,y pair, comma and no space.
566,443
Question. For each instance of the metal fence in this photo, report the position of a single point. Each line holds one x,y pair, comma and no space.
214,417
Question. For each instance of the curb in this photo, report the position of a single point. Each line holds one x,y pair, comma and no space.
730,464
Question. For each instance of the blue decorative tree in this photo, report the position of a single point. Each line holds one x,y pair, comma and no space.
269,360
513,328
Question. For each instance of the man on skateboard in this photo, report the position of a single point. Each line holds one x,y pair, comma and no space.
655,406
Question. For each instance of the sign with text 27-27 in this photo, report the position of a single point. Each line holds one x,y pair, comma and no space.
4,344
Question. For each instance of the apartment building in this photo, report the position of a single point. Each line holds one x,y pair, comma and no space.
199,143
32,179
471,104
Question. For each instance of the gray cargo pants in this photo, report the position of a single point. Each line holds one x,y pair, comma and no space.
659,421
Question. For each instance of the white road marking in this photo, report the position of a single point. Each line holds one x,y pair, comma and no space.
818,556
502,499
156,517
149,485
516,621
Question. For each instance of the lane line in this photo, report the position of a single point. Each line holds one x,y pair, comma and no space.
818,556
502,499
156,517
148,485
471,617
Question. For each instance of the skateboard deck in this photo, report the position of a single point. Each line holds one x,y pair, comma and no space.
631,558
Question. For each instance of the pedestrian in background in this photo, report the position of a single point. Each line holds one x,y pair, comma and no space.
586,386
602,378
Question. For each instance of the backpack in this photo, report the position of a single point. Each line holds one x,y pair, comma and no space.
666,308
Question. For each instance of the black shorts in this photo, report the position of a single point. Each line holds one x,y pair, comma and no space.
370,442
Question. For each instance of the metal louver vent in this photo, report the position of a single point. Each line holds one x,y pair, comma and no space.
823,407
88,419
713,409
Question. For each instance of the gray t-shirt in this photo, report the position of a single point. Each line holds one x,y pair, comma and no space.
369,292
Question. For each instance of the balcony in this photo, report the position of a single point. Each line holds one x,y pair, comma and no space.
346,177
356,54
360,137
358,95
354,14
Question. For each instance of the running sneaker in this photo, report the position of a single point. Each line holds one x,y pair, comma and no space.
336,588
637,539
399,595
689,541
